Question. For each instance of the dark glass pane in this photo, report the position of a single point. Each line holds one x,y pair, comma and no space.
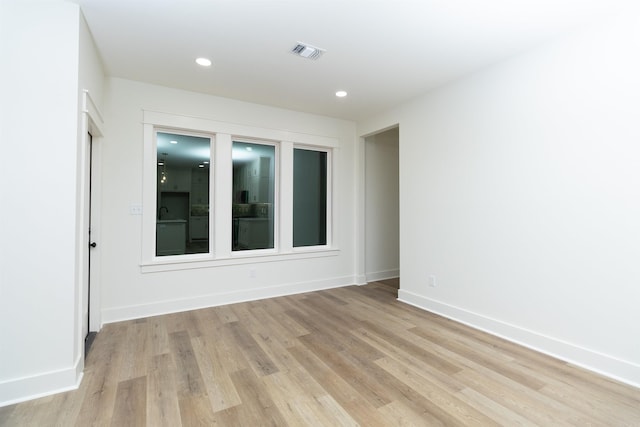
182,210
253,196
309,198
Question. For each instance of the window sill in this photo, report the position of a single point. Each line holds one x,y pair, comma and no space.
187,262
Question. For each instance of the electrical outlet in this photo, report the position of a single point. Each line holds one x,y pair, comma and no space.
432,281
135,210
252,273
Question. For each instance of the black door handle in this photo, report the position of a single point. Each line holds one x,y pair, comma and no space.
93,244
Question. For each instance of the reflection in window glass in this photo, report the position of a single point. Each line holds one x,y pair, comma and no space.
253,196
182,208
309,198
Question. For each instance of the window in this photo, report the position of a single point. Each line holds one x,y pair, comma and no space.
253,195
309,197
182,196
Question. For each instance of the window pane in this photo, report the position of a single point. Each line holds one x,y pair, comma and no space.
253,196
182,208
309,198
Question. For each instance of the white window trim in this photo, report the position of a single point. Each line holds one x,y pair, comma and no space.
151,191
223,133
329,213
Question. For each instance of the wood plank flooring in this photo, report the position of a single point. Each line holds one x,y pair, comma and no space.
341,357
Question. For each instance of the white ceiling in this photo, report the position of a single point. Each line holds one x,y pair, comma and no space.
382,52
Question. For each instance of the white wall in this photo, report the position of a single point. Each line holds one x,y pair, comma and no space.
91,70
129,293
529,215
382,258
39,85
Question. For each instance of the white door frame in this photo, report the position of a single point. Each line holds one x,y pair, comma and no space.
92,123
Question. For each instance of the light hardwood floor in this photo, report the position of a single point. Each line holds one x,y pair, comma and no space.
348,356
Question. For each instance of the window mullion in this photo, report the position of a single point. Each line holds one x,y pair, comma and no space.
286,196
223,196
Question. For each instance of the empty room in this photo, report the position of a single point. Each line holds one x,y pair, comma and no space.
279,212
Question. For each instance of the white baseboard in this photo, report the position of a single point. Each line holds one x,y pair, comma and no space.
382,275
118,314
361,279
610,366
35,386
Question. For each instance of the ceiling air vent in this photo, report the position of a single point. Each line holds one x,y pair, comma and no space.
307,51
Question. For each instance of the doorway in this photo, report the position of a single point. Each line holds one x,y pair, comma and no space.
88,335
381,207
87,316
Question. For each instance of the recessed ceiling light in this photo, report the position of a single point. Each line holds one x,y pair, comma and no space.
205,162
341,94
173,142
249,148
200,166
205,62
